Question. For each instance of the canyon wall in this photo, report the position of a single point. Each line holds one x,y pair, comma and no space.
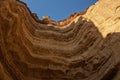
85,48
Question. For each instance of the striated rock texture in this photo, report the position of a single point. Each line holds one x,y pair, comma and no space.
87,47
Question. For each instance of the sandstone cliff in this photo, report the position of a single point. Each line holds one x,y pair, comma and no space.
85,48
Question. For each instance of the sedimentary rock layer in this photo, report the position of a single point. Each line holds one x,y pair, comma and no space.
86,48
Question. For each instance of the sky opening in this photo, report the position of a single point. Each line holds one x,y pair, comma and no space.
58,9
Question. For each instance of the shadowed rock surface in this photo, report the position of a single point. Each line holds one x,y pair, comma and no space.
83,47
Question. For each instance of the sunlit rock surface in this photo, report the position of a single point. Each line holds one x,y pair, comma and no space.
86,46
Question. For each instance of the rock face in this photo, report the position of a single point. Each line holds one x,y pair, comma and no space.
86,48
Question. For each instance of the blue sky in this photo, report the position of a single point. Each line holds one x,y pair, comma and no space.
57,9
